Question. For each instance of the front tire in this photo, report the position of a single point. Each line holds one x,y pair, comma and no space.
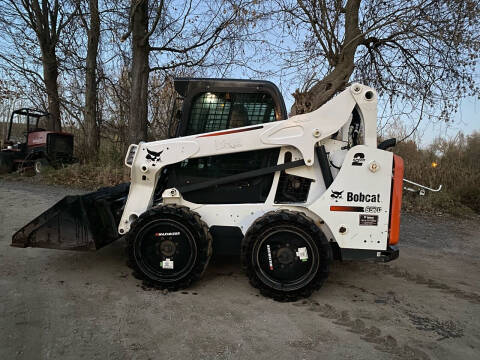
169,247
6,163
286,255
41,165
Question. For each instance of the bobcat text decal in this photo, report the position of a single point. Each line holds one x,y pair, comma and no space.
361,197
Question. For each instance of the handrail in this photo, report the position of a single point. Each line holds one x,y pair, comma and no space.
423,186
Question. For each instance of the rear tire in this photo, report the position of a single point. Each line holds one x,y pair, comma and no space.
169,247
286,255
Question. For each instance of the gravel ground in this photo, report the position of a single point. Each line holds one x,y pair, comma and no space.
68,305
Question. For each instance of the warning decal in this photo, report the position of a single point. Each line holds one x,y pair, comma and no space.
368,220
302,253
167,264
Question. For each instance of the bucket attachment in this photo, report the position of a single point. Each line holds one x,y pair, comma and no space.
80,222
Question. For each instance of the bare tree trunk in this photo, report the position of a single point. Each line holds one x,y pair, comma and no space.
50,78
137,125
343,66
92,140
43,22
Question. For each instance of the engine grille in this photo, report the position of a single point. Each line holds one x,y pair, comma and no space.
292,189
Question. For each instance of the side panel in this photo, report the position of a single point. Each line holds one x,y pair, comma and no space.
37,138
356,206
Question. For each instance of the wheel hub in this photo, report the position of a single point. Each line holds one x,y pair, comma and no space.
279,262
285,256
167,248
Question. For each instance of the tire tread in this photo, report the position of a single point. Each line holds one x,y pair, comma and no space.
286,217
194,222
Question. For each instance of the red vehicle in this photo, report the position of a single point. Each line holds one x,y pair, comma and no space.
28,144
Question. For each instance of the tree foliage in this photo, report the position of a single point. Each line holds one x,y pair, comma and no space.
419,54
33,29
105,68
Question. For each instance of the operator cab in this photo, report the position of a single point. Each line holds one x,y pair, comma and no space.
22,123
218,104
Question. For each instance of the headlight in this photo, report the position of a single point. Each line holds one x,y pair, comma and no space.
132,149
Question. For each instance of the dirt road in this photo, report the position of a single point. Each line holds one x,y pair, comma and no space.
68,305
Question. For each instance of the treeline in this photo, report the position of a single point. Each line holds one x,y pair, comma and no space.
452,163
104,69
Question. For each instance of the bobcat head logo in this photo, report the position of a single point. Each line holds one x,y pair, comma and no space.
336,195
153,156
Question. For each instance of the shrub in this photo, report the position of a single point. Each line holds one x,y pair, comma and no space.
457,169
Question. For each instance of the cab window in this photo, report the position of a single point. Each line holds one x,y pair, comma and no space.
219,111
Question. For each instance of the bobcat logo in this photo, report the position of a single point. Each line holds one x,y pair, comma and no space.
336,195
153,156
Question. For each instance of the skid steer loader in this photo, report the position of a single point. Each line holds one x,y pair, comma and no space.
238,177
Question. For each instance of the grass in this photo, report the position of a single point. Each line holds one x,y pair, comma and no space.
87,176
82,176
435,203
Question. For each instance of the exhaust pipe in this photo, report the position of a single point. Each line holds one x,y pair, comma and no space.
80,222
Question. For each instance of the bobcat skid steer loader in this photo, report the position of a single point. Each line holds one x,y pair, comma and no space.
287,195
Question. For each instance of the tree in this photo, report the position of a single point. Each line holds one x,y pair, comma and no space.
417,53
45,20
138,27
90,112
176,35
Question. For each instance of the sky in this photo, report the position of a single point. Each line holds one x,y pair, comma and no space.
467,120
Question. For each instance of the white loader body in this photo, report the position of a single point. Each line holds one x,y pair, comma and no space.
354,211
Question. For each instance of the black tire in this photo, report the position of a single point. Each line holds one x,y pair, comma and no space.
272,261
41,165
6,163
188,243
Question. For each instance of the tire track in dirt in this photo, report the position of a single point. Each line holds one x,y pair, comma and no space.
446,329
385,343
384,269
472,297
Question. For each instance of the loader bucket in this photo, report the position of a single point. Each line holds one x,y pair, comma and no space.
80,222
